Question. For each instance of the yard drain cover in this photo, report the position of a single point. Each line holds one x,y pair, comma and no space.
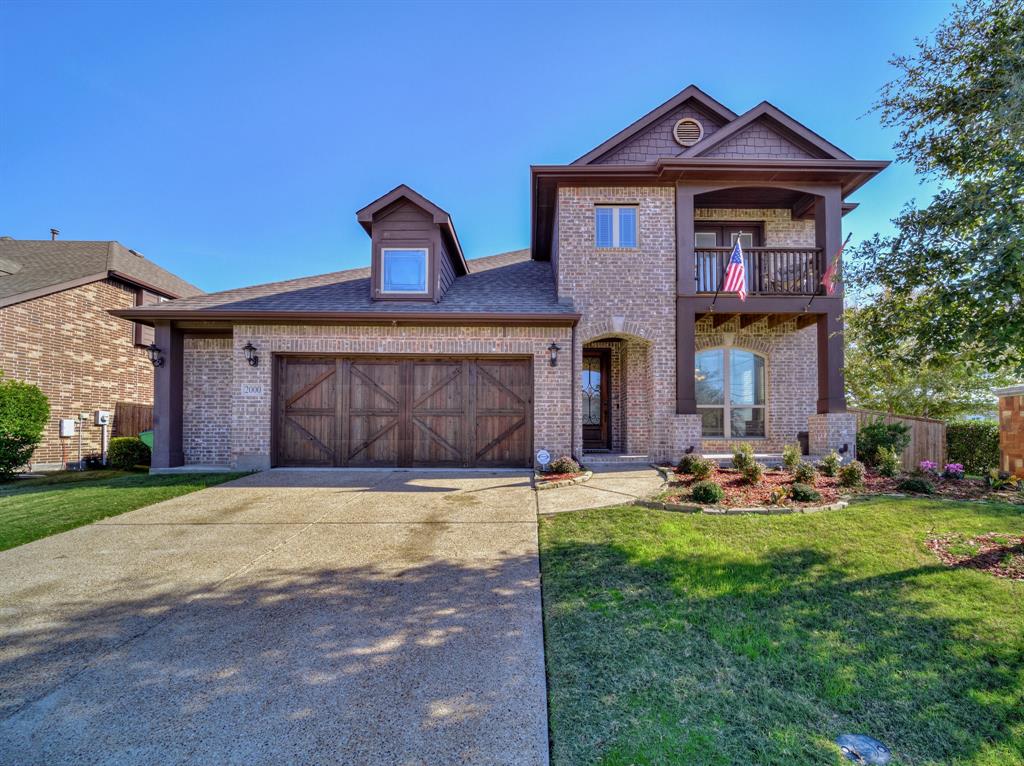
861,748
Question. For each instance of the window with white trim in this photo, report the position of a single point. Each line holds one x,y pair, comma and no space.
404,270
731,393
615,226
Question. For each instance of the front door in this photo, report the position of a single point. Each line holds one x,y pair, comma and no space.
594,387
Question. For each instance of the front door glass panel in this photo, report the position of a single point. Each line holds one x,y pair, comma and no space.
591,391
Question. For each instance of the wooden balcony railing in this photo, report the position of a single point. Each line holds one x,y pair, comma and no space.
769,270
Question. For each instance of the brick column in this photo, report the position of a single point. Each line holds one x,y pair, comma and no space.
831,431
167,397
1011,429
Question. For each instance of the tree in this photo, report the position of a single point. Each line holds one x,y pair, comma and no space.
951,278
956,387
24,412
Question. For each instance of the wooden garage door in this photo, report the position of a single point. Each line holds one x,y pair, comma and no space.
403,412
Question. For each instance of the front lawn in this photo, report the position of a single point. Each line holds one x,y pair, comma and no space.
34,508
694,639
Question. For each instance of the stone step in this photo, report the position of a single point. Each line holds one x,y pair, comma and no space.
614,458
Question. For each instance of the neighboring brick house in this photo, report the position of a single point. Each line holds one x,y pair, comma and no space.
56,331
607,339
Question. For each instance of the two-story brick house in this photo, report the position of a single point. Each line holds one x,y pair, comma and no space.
56,332
609,336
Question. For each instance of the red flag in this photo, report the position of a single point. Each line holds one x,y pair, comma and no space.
831,275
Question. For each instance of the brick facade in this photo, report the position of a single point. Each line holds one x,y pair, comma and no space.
1011,430
82,358
245,418
206,401
626,293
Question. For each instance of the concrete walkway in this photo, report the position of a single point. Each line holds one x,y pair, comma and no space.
610,485
289,617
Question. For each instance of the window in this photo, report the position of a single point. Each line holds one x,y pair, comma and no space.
404,270
731,393
615,226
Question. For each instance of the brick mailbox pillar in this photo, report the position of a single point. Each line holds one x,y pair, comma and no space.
1011,429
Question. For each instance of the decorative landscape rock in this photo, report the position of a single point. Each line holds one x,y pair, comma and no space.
860,748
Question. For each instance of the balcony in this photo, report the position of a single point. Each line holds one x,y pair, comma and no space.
769,270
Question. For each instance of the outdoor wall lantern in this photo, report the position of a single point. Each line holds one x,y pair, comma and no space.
553,349
250,354
153,352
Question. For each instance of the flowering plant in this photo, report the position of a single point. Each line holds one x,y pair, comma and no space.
953,471
928,467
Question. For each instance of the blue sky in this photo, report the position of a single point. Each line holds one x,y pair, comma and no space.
233,143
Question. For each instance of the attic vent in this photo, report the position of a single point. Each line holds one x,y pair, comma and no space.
687,132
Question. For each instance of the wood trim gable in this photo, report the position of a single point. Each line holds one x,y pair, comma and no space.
789,127
689,93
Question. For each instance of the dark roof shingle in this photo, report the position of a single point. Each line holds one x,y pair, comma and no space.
505,283
32,268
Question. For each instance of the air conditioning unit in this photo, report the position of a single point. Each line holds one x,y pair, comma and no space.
102,418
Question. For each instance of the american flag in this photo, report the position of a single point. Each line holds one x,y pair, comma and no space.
735,276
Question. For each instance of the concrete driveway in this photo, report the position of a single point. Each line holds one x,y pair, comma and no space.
306,617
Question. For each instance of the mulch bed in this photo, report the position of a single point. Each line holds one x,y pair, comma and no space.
739,494
997,553
559,476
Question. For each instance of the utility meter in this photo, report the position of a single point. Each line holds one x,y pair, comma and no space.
102,418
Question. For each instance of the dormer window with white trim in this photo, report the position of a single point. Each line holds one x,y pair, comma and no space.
615,226
404,270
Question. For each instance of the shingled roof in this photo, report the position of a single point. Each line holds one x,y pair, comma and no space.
32,268
509,283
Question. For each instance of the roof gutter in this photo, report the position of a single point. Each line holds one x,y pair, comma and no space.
141,314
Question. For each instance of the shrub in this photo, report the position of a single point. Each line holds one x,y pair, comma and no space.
804,472
1002,480
894,436
927,468
830,464
803,493
564,464
888,463
742,456
685,464
916,484
974,444
24,412
754,473
707,492
702,468
953,471
790,456
126,452
852,474
778,495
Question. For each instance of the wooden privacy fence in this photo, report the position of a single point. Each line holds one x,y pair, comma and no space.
131,419
927,436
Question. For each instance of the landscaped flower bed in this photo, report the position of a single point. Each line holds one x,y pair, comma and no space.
741,494
1001,555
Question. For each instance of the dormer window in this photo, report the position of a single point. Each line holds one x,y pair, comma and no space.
404,270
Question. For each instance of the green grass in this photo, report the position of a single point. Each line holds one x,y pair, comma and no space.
31,509
693,639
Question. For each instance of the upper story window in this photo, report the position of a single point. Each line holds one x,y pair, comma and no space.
731,393
404,270
615,226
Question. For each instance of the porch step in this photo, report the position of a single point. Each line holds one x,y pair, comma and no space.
591,459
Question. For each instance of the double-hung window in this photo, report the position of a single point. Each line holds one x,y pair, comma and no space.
731,393
404,270
615,226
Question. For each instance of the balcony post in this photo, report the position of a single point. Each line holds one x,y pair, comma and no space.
686,358
831,384
828,225
685,260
